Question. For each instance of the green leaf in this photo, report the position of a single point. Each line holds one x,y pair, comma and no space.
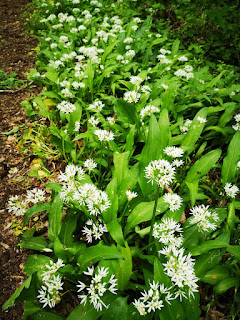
173,311
59,250
112,192
55,218
115,230
51,75
68,227
35,263
159,274
194,131
215,275
203,165
44,315
124,268
169,96
36,209
235,250
143,212
126,112
208,245
175,47
231,218
10,302
120,161
226,284
191,307
208,261
96,253
35,243
117,310
164,130
193,189
229,167
151,151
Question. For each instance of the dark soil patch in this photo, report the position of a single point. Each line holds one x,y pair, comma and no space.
16,55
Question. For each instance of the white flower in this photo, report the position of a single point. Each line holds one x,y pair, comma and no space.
146,89
160,171
148,110
186,126
231,190
98,286
204,218
183,58
77,126
165,232
35,196
174,201
174,152
96,106
111,120
201,120
131,195
104,135
131,96
128,40
136,80
90,164
93,121
16,207
189,68
96,231
66,107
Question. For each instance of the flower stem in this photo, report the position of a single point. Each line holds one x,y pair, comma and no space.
153,221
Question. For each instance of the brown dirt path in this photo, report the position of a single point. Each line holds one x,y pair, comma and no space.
16,55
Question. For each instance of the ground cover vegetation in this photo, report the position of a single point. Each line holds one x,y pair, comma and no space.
145,211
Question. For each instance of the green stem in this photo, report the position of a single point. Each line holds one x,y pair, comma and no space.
153,220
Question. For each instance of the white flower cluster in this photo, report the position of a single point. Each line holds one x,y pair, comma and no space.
174,201
19,207
203,218
96,231
90,164
131,96
180,269
87,194
184,73
231,190
153,299
236,127
98,286
186,126
66,107
165,232
131,195
104,135
148,110
160,171
96,106
49,293
173,152
136,80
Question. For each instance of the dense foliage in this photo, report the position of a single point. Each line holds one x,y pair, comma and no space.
145,210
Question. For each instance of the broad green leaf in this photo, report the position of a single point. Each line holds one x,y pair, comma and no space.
59,250
96,253
208,261
175,46
226,284
235,250
151,151
68,227
55,218
30,308
191,307
173,311
126,112
169,96
44,315
35,263
36,209
117,310
115,230
207,246
143,212
194,131
124,267
112,192
51,75
214,81
193,189
35,243
120,161
203,165
159,274
229,167
231,218
215,275
10,302
164,130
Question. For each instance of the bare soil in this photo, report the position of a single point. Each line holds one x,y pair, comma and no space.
16,55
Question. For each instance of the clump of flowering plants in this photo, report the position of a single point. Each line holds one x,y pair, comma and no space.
135,221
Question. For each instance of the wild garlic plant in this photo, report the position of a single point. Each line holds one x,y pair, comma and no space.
145,208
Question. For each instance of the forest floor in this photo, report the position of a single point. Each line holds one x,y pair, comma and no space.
16,55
